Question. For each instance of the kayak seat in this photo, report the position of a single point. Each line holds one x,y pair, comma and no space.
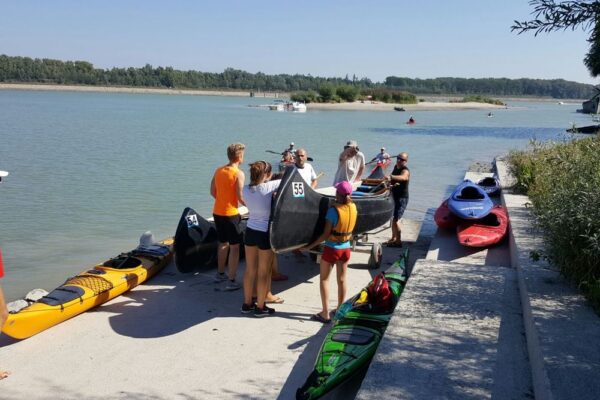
62,295
123,262
356,335
470,193
489,220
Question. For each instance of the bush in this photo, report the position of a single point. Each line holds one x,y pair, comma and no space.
326,92
479,99
347,93
562,181
308,96
388,95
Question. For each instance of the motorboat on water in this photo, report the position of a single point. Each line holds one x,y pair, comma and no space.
296,106
278,105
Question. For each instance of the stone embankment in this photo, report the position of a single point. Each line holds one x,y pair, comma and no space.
488,324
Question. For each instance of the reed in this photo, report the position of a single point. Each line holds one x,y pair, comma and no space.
562,181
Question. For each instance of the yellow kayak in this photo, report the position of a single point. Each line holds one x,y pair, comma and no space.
90,289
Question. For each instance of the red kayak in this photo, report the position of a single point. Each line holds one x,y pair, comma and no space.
444,218
485,231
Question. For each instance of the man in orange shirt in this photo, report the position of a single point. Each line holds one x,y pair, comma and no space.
226,187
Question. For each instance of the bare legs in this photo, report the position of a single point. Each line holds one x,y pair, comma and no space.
396,232
258,276
250,273
234,258
263,278
342,267
3,316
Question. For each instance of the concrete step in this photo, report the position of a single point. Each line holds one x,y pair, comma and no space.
456,334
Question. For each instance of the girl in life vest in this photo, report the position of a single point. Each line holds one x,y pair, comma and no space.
339,224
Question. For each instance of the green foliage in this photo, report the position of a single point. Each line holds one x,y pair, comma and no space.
556,88
347,92
390,96
562,181
550,15
479,99
326,92
306,96
27,70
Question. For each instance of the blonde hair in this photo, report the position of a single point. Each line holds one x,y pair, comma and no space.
234,151
258,170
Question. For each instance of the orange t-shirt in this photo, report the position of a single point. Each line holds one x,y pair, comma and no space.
226,199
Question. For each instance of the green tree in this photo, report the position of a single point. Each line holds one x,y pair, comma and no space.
550,15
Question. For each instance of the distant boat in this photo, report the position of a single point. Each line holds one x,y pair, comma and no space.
411,121
278,105
585,129
399,109
296,106
490,115
560,103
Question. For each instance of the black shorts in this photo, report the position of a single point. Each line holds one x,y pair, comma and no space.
399,207
257,238
229,229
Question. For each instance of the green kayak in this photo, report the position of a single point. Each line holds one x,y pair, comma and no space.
357,329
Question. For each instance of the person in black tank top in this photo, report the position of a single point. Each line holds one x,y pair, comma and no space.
399,180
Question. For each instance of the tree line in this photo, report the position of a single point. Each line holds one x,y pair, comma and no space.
36,70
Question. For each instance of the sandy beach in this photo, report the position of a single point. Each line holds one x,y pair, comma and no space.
428,105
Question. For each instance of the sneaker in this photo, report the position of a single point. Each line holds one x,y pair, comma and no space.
220,277
263,312
232,285
248,308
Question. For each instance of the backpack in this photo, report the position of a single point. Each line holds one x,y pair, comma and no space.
379,293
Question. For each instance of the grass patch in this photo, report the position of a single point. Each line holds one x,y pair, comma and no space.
562,181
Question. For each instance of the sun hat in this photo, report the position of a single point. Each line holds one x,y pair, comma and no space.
351,143
343,187
383,148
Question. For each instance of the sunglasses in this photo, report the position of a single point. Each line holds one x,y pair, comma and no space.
400,159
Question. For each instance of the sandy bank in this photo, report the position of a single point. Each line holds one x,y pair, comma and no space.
114,89
429,105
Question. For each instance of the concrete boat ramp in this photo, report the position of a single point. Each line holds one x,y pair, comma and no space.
469,325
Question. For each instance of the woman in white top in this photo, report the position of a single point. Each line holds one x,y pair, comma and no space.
259,256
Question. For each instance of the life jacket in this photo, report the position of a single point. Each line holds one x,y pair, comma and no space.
342,231
379,293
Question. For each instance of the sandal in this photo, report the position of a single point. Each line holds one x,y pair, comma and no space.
276,300
317,317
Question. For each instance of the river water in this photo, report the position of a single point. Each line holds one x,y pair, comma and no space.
90,172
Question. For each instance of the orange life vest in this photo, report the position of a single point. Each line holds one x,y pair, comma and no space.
342,231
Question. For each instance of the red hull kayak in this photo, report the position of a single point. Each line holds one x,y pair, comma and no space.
485,231
444,218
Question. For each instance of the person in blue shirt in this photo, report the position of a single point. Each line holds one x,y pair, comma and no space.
337,234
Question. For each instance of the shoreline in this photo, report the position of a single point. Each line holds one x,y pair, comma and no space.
431,103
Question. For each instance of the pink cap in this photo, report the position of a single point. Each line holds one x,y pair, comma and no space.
343,187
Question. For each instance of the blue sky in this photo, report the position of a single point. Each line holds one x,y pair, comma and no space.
374,39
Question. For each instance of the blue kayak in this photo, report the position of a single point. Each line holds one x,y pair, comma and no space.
490,185
469,201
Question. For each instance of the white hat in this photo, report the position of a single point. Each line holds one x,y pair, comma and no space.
291,144
147,239
383,148
351,143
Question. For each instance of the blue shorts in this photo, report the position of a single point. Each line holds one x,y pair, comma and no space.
399,207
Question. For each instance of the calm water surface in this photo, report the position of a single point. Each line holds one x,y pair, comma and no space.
90,172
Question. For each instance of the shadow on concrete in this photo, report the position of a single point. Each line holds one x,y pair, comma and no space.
185,300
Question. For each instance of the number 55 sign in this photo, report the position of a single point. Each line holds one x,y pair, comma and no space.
298,189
